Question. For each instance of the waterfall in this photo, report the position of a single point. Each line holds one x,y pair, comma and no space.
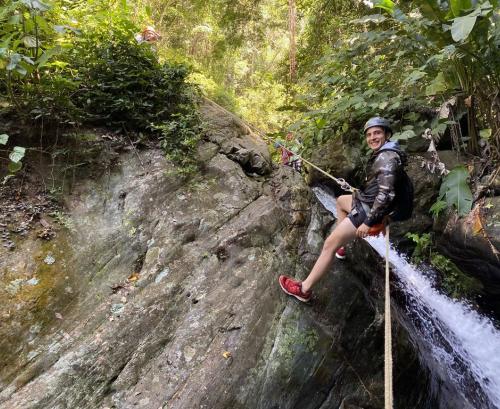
460,346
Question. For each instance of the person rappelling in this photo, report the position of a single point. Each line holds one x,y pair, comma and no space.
387,191
288,149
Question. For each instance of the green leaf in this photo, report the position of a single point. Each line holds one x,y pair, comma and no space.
439,128
30,41
47,54
457,6
455,190
438,207
15,19
373,18
320,123
28,60
387,5
43,25
409,133
15,166
437,86
431,10
13,61
485,133
4,138
414,76
21,70
462,27
36,5
17,154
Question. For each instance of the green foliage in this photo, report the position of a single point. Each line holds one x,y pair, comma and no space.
360,78
455,190
454,282
63,63
179,139
423,246
447,49
237,50
15,156
30,43
462,26
437,208
214,91
63,219
123,84
387,5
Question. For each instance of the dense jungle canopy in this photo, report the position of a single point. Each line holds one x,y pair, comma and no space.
142,215
316,67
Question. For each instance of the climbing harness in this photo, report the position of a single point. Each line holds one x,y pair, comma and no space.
340,181
388,331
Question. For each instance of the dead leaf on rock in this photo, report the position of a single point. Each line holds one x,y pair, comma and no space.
133,277
477,227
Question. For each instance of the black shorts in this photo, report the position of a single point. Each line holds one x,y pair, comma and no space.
357,215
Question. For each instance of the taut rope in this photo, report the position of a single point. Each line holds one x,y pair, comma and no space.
388,331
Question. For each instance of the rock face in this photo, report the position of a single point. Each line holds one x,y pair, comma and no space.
338,156
164,294
426,187
474,243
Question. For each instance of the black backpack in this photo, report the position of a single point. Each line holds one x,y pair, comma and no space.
403,201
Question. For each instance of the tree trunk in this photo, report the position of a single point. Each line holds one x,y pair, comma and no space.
292,23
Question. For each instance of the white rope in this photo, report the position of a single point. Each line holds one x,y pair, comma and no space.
388,330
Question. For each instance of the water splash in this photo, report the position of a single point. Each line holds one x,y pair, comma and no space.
459,344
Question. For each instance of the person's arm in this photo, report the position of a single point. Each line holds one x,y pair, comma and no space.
386,168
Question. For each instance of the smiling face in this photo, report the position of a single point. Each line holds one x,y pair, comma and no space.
375,137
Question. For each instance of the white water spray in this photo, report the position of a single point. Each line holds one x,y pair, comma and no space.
456,336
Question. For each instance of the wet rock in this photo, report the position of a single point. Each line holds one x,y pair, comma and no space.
338,158
426,188
174,299
492,182
476,247
236,140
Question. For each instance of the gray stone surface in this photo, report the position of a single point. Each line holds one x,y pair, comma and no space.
165,294
475,247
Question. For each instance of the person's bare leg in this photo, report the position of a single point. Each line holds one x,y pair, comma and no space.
343,233
344,205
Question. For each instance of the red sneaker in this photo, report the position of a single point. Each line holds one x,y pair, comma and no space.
294,288
340,253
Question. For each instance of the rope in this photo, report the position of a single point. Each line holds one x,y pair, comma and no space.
340,181
388,331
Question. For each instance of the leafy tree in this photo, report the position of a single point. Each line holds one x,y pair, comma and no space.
69,63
